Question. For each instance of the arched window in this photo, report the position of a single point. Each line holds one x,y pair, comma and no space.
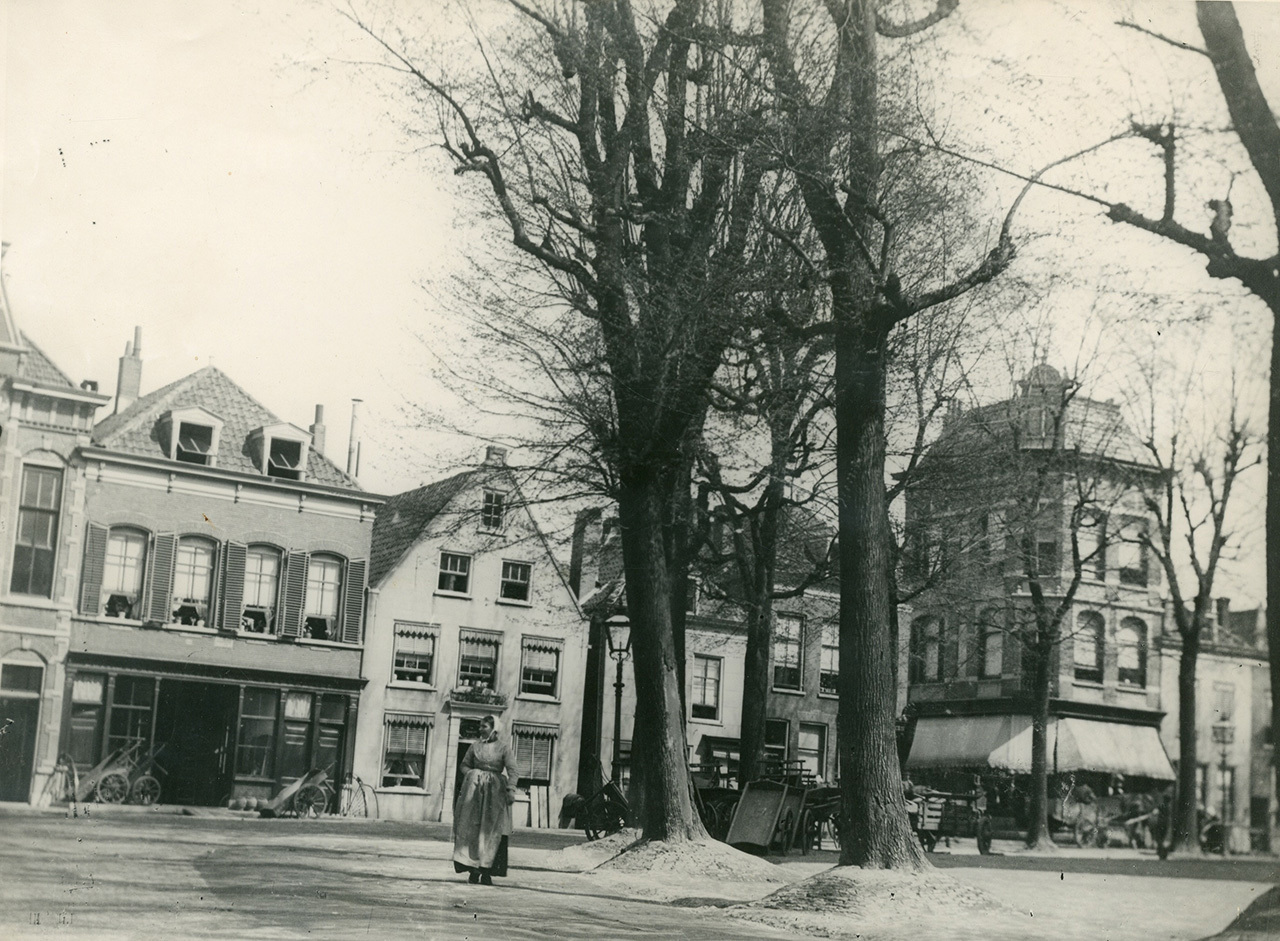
926,650
324,591
1131,652
991,639
261,589
193,580
1089,646
122,571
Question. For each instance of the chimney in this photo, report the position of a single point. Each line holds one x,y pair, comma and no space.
353,440
129,379
584,558
89,385
317,431
495,456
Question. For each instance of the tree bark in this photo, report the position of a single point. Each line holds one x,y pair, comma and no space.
1186,820
1038,835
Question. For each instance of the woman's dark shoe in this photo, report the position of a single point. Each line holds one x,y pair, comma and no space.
486,879
474,878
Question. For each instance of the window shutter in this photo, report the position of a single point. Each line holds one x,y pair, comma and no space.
232,586
295,593
353,602
160,597
95,559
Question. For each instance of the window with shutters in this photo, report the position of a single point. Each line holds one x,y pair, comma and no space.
829,677
539,666
122,570
324,590
515,581
788,630
193,581
39,507
533,750
455,573
415,653
705,701
478,659
404,753
256,745
493,511
261,590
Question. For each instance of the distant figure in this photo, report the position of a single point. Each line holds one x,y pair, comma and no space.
482,807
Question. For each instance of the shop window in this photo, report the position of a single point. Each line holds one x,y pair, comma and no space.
515,581
35,547
87,694
705,702
829,673
493,511
533,757
261,590
131,703
123,567
926,650
193,581
478,661
404,753
1089,647
455,573
788,630
256,745
295,750
324,589
539,666
414,658
1131,652
330,734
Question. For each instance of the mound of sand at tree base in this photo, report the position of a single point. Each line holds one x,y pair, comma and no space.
847,901
589,854
686,859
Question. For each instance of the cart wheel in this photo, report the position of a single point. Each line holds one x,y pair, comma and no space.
928,840
358,804
146,790
1085,831
112,788
983,834
310,801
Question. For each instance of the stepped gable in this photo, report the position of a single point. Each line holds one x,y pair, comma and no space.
402,520
136,430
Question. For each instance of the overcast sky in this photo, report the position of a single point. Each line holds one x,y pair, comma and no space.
216,172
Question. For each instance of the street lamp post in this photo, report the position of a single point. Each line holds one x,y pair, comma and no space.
1223,736
620,650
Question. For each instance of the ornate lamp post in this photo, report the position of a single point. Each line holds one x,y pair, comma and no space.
1223,736
620,650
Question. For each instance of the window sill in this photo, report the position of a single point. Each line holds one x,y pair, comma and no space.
325,643
409,684
1132,688
828,695
462,596
191,629
788,692
1087,684
402,789
535,697
122,622
512,602
715,722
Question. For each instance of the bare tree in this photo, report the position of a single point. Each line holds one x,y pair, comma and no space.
1189,501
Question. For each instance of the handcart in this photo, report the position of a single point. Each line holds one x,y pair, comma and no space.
308,796
948,814
821,815
125,774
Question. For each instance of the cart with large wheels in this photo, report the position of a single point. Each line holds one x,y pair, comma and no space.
948,814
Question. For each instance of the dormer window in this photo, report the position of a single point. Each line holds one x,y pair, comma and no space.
190,435
195,444
280,450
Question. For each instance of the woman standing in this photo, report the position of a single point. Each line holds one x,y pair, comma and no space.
482,808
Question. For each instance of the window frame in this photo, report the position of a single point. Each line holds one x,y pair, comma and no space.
697,677
776,643
1081,672
518,737
425,727
828,628
531,644
409,630
271,626
267,768
334,622
1139,577
488,501
442,573
211,598
926,630
503,581
1132,677
484,639
134,610
54,513
988,628
767,747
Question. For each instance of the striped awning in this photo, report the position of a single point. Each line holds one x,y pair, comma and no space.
531,730
972,742
548,644
412,719
406,629
489,638
1090,745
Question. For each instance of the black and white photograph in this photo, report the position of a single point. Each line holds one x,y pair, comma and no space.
610,469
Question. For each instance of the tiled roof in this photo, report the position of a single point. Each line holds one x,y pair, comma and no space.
39,369
136,430
402,519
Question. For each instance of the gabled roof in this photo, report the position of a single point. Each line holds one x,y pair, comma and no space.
136,430
38,369
404,517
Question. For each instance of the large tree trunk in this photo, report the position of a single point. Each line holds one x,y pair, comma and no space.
1272,602
1186,821
878,833
755,682
1038,835
668,812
